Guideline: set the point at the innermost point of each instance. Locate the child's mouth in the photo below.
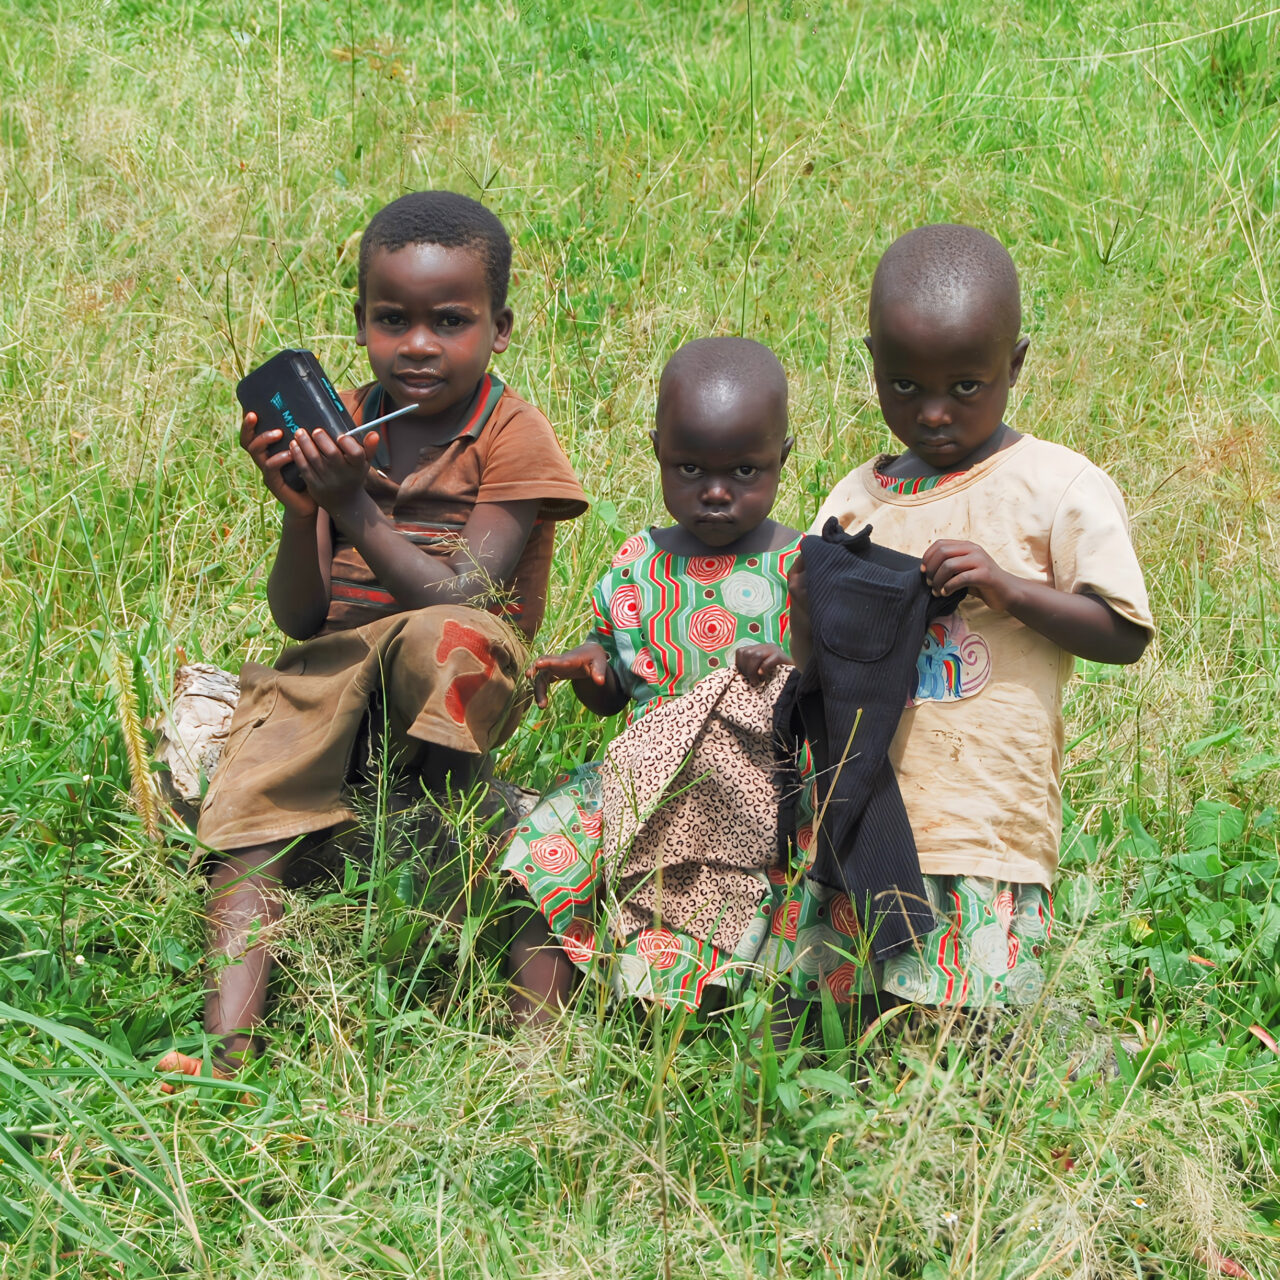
(418, 383)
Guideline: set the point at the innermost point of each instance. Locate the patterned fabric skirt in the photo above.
(985, 950)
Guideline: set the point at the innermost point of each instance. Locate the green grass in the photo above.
(183, 187)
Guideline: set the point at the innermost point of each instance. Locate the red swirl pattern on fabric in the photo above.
(712, 628)
(630, 550)
(843, 916)
(843, 981)
(579, 940)
(658, 947)
(554, 853)
(645, 667)
(624, 607)
(1004, 908)
(786, 920)
(709, 569)
(602, 623)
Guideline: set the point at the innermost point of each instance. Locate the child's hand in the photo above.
(759, 661)
(335, 470)
(256, 444)
(587, 662)
(949, 565)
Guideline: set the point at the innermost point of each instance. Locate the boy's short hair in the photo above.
(940, 264)
(445, 218)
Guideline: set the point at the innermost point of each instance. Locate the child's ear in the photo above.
(502, 323)
(866, 342)
(786, 451)
(653, 440)
(359, 312)
(1015, 361)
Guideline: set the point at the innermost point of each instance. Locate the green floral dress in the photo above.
(666, 621)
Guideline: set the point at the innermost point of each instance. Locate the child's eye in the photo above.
(452, 321)
(903, 386)
(745, 473)
(391, 319)
(968, 387)
(688, 470)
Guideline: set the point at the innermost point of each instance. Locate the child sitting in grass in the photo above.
(402, 565)
(678, 604)
(1039, 537)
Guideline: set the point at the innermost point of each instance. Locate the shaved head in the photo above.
(955, 275)
(726, 372)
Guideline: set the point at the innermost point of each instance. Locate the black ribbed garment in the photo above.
(869, 610)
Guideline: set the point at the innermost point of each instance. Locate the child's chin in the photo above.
(718, 535)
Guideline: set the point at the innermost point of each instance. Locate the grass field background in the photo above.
(183, 189)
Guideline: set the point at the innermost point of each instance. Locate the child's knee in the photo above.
(256, 865)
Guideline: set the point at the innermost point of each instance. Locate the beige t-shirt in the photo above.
(979, 753)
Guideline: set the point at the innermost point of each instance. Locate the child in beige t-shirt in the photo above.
(1039, 537)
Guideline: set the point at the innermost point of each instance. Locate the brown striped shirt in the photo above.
(505, 451)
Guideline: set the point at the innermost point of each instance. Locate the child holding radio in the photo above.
(412, 567)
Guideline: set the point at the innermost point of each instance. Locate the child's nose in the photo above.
(419, 341)
(716, 490)
(933, 413)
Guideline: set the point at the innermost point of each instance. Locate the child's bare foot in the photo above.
(188, 1066)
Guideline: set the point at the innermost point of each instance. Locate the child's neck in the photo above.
(407, 437)
(768, 535)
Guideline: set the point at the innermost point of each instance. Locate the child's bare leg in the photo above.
(244, 901)
(539, 972)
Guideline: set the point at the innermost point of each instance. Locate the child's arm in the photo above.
(491, 541)
(594, 681)
(801, 630)
(1078, 621)
(298, 588)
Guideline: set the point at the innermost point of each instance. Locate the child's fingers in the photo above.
(957, 582)
(541, 681)
(941, 574)
(750, 662)
(933, 558)
(773, 661)
(549, 662)
(258, 445)
(306, 465)
(248, 429)
(275, 462)
(948, 549)
(304, 447)
(326, 446)
(545, 672)
(954, 573)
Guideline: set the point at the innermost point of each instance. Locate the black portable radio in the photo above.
(291, 393)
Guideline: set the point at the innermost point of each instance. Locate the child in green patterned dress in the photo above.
(677, 604)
